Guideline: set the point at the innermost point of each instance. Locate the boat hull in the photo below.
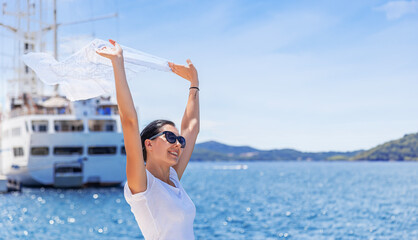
(99, 160)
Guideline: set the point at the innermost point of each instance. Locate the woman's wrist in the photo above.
(118, 62)
(194, 83)
(117, 59)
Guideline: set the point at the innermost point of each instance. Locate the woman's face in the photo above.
(163, 151)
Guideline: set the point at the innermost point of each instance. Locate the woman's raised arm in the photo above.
(190, 124)
(135, 168)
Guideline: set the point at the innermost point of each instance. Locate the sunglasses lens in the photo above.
(182, 141)
(171, 137)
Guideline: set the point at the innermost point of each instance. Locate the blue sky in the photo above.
(314, 76)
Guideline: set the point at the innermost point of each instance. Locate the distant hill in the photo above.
(403, 149)
(219, 147)
(215, 151)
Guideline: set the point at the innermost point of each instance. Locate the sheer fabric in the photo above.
(85, 74)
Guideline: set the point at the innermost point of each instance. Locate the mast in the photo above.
(29, 37)
(24, 82)
(55, 31)
(56, 87)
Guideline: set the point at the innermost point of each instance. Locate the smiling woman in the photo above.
(161, 206)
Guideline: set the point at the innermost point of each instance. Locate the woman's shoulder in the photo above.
(137, 196)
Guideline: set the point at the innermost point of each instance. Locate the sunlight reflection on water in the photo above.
(259, 200)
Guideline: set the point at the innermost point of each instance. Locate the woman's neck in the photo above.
(159, 171)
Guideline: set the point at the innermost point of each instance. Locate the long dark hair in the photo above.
(153, 128)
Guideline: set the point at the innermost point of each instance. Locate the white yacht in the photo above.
(63, 143)
(48, 140)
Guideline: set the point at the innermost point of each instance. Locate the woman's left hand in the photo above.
(187, 72)
(113, 54)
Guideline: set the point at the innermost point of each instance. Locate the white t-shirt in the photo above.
(162, 211)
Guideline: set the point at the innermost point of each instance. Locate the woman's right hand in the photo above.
(113, 54)
(188, 72)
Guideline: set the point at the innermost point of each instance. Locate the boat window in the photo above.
(69, 169)
(39, 151)
(43, 128)
(18, 151)
(40, 126)
(109, 128)
(107, 110)
(104, 111)
(68, 125)
(15, 132)
(102, 125)
(123, 150)
(102, 150)
(68, 150)
(61, 110)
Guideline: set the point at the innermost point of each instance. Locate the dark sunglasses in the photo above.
(171, 138)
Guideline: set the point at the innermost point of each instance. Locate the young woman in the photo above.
(161, 207)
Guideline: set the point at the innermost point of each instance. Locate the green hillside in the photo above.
(404, 149)
(215, 151)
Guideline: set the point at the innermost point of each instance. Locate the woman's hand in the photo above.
(187, 72)
(111, 53)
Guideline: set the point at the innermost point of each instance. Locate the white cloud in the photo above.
(398, 9)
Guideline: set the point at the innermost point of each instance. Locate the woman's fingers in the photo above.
(117, 46)
(187, 72)
(101, 53)
(111, 52)
(105, 52)
(178, 69)
(171, 65)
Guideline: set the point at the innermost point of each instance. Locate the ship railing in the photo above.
(17, 112)
(55, 111)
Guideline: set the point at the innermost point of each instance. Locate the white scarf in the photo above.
(86, 74)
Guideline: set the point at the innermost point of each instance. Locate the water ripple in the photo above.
(260, 200)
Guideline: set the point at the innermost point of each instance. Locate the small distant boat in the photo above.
(232, 167)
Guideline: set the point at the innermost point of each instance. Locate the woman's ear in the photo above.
(148, 144)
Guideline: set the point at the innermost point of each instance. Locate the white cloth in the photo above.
(85, 74)
(163, 212)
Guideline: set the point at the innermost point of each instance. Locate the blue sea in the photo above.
(245, 200)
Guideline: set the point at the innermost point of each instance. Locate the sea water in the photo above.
(244, 200)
